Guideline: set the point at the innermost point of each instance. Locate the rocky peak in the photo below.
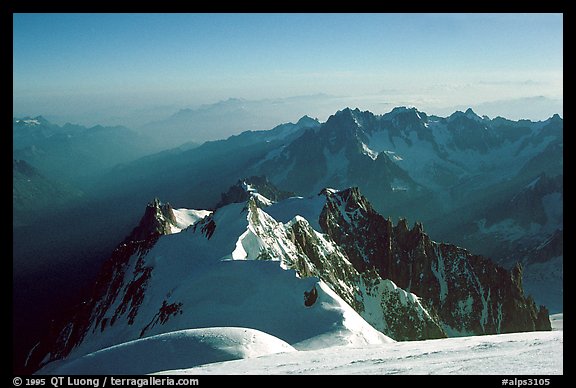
(351, 200)
(342, 125)
(471, 132)
(402, 122)
(472, 115)
(242, 190)
(460, 116)
(406, 117)
(235, 194)
(418, 228)
(389, 309)
(348, 126)
(307, 121)
(401, 227)
(556, 119)
(157, 219)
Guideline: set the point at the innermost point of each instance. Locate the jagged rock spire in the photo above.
(157, 219)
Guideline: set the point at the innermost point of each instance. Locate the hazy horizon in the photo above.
(131, 69)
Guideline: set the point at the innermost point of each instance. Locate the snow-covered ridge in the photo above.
(188, 217)
(239, 266)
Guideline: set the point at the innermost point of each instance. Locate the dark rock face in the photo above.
(236, 194)
(208, 228)
(310, 297)
(469, 292)
(164, 313)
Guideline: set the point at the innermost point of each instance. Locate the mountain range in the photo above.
(472, 180)
(493, 187)
(71, 153)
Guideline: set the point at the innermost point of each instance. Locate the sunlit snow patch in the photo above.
(187, 217)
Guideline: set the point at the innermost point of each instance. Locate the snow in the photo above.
(369, 152)
(179, 349)
(465, 307)
(262, 200)
(187, 217)
(246, 246)
(557, 321)
(248, 187)
(423, 159)
(535, 353)
(393, 155)
(245, 293)
(485, 301)
(353, 330)
(29, 121)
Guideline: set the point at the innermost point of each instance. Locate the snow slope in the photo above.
(184, 349)
(188, 280)
(187, 217)
(239, 293)
(535, 353)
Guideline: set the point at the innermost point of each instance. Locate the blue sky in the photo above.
(96, 62)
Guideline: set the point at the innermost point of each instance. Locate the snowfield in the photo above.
(243, 351)
(183, 348)
(535, 353)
